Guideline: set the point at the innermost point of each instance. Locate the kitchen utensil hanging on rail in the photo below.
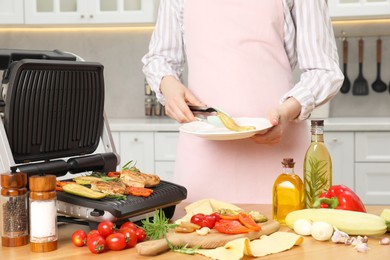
(378, 85)
(346, 83)
(360, 85)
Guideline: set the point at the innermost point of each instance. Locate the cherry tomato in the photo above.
(97, 244)
(197, 219)
(106, 228)
(216, 216)
(130, 236)
(141, 235)
(92, 233)
(128, 224)
(79, 238)
(204, 220)
(116, 241)
(209, 221)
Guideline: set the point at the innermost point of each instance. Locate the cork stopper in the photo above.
(288, 162)
(317, 122)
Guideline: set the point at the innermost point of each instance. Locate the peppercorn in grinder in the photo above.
(14, 205)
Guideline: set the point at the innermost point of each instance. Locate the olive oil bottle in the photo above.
(317, 165)
(287, 193)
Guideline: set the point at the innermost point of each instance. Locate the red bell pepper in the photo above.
(340, 197)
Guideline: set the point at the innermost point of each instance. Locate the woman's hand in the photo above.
(274, 134)
(177, 97)
(279, 118)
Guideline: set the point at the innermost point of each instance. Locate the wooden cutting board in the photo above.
(212, 240)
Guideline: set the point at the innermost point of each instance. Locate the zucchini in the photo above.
(350, 222)
(86, 180)
(386, 216)
(82, 191)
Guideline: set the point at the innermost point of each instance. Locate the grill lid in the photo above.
(53, 109)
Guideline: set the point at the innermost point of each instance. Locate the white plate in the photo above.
(213, 129)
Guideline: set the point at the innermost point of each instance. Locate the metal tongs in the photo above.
(204, 109)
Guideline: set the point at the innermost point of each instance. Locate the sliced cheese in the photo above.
(236, 249)
(275, 243)
(233, 250)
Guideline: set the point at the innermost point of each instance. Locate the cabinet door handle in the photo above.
(135, 140)
(91, 16)
(82, 16)
(335, 140)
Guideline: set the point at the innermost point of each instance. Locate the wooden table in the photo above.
(310, 249)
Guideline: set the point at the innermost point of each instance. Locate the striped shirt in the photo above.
(308, 40)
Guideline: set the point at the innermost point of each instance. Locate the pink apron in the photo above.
(237, 62)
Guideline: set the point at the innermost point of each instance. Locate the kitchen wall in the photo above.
(374, 104)
(120, 51)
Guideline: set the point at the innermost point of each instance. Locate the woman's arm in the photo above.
(166, 49)
(317, 55)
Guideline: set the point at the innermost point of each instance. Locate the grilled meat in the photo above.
(139, 179)
(111, 187)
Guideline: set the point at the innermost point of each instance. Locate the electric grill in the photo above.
(52, 120)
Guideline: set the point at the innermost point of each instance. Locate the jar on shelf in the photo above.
(43, 213)
(148, 106)
(14, 204)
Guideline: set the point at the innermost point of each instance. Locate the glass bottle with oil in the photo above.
(317, 167)
(287, 192)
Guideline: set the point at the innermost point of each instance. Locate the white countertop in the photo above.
(331, 124)
(357, 124)
(143, 124)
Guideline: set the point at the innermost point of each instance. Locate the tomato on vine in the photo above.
(97, 244)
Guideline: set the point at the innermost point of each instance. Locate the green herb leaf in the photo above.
(182, 249)
(158, 227)
(130, 166)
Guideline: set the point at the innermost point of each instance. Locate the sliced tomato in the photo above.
(139, 191)
(114, 174)
(229, 217)
(247, 220)
(231, 227)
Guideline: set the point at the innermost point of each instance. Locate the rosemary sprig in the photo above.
(158, 227)
(182, 249)
(130, 166)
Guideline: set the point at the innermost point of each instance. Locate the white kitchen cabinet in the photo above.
(165, 154)
(153, 151)
(361, 161)
(139, 147)
(341, 148)
(165, 169)
(372, 182)
(345, 9)
(373, 147)
(89, 11)
(11, 12)
(372, 167)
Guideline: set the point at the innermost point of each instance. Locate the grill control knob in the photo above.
(97, 213)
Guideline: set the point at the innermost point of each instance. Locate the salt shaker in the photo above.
(43, 213)
(14, 204)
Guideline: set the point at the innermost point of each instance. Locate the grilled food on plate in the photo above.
(139, 179)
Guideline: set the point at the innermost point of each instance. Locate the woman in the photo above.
(240, 57)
